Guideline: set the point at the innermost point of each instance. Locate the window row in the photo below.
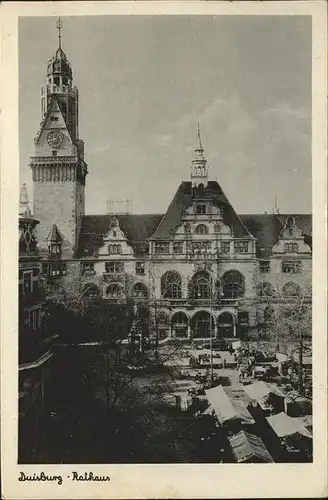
(201, 286)
(287, 266)
(111, 267)
(290, 289)
(115, 249)
(54, 269)
(116, 291)
(291, 247)
(199, 247)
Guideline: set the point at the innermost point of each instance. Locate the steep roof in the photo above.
(54, 101)
(136, 227)
(183, 199)
(267, 228)
(246, 446)
(139, 228)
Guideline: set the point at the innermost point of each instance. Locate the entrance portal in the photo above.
(225, 325)
(179, 325)
(202, 326)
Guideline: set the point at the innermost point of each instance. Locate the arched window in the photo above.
(201, 229)
(179, 325)
(291, 289)
(200, 286)
(90, 290)
(139, 291)
(114, 290)
(225, 319)
(202, 325)
(268, 314)
(171, 285)
(264, 289)
(217, 227)
(233, 285)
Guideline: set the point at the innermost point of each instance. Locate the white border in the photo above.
(161, 481)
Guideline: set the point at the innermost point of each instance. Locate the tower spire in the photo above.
(199, 169)
(199, 138)
(24, 204)
(59, 25)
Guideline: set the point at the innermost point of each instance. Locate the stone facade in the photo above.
(198, 260)
(58, 165)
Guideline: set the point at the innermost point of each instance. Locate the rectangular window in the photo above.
(140, 268)
(27, 283)
(201, 246)
(225, 246)
(201, 209)
(264, 266)
(178, 247)
(241, 246)
(88, 268)
(243, 318)
(162, 248)
(114, 267)
(114, 249)
(291, 267)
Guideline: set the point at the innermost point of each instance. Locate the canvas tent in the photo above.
(249, 448)
(227, 409)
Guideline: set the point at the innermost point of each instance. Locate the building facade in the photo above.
(199, 269)
(35, 351)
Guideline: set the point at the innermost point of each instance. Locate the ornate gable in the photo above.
(53, 134)
(115, 243)
(291, 240)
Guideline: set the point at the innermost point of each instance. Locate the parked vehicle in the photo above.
(217, 345)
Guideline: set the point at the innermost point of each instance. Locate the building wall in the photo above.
(57, 203)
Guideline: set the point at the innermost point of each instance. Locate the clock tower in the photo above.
(58, 165)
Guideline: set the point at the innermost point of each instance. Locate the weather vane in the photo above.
(59, 25)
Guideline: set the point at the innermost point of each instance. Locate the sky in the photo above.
(145, 81)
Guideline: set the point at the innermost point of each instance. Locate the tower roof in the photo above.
(54, 235)
(59, 63)
(24, 204)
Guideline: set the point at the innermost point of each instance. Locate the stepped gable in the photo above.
(267, 228)
(137, 228)
(183, 199)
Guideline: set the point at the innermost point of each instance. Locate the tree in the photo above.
(287, 317)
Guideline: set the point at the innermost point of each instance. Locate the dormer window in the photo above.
(291, 247)
(201, 209)
(241, 246)
(54, 243)
(54, 249)
(114, 249)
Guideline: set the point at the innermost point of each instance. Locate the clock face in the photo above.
(55, 138)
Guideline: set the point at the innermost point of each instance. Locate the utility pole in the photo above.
(211, 330)
(300, 380)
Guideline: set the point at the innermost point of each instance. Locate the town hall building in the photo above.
(199, 269)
